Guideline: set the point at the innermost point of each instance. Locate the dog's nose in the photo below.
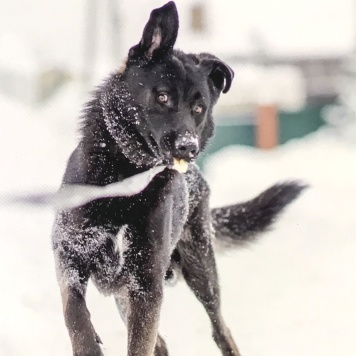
(186, 147)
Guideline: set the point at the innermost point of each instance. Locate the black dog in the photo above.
(155, 111)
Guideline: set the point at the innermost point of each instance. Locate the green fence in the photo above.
(300, 123)
(241, 130)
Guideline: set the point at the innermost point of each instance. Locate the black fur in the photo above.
(156, 109)
(240, 223)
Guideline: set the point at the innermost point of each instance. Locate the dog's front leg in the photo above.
(146, 262)
(85, 341)
(199, 271)
(122, 305)
(73, 278)
(75, 249)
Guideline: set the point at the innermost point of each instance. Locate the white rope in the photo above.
(71, 196)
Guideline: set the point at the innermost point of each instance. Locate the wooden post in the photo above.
(267, 127)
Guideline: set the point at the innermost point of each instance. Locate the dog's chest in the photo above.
(180, 210)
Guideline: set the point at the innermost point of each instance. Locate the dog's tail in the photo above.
(238, 224)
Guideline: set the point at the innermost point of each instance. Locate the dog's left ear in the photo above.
(159, 34)
(219, 72)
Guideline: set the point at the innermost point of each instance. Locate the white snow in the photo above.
(293, 293)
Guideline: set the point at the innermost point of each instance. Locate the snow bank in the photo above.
(35, 143)
(26, 147)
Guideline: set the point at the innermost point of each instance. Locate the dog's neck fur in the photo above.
(113, 114)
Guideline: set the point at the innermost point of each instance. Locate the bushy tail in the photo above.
(241, 223)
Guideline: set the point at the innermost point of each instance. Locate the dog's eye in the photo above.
(162, 97)
(198, 109)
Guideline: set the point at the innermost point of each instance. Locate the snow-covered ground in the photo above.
(293, 293)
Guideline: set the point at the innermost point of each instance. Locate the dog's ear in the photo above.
(219, 72)
(159, 34)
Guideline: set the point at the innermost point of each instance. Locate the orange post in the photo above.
(267, 127)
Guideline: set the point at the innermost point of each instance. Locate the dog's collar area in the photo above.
(76, 195)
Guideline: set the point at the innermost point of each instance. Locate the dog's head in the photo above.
(164, 97)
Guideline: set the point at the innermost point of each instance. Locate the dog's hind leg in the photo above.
(199, 271)
(121, 300)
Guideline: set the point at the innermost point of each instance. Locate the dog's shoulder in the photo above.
(90, 167)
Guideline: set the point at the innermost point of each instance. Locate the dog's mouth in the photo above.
(180, 165)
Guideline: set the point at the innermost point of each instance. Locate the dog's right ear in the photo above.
(218, 71)
(159, 34)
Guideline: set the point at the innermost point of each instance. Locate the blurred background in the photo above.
(290, 114)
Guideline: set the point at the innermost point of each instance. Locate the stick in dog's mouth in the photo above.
(180, 165)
